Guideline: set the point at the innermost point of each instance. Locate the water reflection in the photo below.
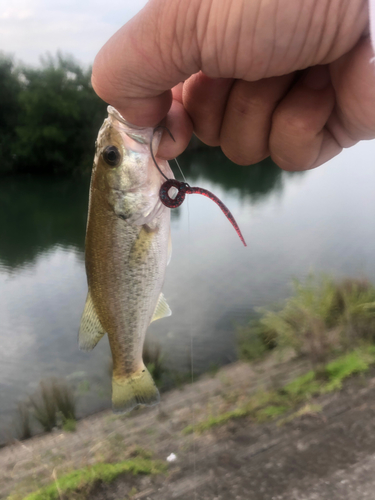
(39, 213)
(40, 311)
(251, 182)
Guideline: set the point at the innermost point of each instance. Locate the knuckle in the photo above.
(293, 124)
(290, 160)
(241, 104)
(286, 164)
(209, 139)
(242, 157)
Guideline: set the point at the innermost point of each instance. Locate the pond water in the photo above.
(294, 224)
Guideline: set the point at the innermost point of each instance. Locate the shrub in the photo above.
(322, 317)
(153, 359)
(53, 401)
(24, 427)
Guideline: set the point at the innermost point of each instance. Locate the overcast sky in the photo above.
(30, 28)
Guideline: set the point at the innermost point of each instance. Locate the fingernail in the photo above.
(317, 78)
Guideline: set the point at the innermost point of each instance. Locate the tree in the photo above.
(10, 87)
(59, 118)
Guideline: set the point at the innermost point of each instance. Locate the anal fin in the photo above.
(162, 309)
(91, 330)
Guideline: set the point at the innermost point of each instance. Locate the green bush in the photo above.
(322, 317)
(153, 359)
(252, 341)
(24, 424)
(53, 404)
(49, 116)
(10, 88)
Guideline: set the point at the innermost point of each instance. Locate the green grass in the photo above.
(153, 359)
(214, 421)
(53, 402)
(69, 425)
(358, 361)
(323, 317)
(82, 480)
(24, 424)
(302, 388)
(270, 412)
(252, 344)
(269, 405)
(307, 409)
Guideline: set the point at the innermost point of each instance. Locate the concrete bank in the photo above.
(325, 454)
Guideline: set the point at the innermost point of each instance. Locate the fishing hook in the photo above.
(183, 188)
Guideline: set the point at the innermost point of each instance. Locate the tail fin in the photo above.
(138, 388)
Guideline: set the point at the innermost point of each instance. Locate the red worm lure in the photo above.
(183, 189)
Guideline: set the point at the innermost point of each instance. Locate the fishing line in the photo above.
(152, 153)
(190, 315)
(179, 168)
(193, 436)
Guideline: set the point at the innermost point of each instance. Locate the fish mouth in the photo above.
(118, 116)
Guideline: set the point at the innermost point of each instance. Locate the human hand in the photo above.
(286, 78)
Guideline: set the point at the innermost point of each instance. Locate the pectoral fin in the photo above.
(91, 330)
(162, 309)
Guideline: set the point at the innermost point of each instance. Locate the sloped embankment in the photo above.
(323, 447)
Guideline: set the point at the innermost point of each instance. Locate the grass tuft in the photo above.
(153, 359)
(44, 407)
(307, 409)
(24, 424)
(322, 317)
(54, 401)
(302, 388)
(267, 406)
(82, 480)
(337, 371)
(270, 412)
(69, 425)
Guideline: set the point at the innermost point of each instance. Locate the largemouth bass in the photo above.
(127, 251)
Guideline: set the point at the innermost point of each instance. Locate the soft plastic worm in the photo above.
(183, 189)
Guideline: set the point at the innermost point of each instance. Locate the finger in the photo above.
(177, 92)
(136, 68)
(181, 127)
(247, 120)
(170, 40)
(205, 99)
(299, 139)
(353, 78)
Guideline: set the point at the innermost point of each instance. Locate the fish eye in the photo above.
(112, 156)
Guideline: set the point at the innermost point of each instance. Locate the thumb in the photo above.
(137, 67)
